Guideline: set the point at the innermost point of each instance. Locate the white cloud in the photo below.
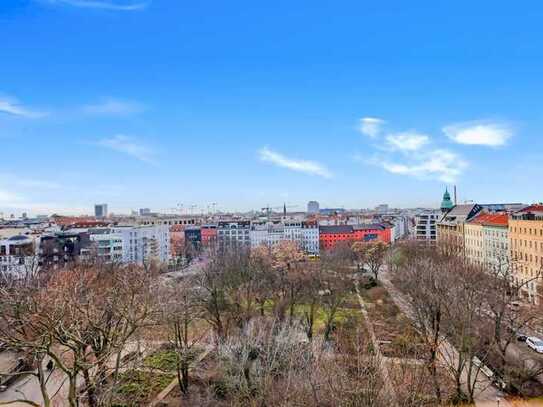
(104, 4)
(127, 145)
(479, 133)
(442, 165)
(407, 141)
(307, 167)
(114, 107)
(371, 126)
(13, 107)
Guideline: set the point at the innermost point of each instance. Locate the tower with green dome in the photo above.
(446, 203)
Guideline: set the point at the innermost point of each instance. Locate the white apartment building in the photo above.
(107, 245)
(142, 244)
(425, 225)
(131, 244)
(269, 234)
(486, 240)
(496, 245)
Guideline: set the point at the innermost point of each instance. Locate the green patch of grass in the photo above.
(137, 387)
(164, 360)
(342, 315)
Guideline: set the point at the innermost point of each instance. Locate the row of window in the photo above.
(526, 231)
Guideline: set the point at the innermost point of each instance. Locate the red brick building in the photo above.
(177, 240)
(332, 235)
(209, 235)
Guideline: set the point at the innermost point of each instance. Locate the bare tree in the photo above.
(371, 255)
(180, 310)
(80, 318)
(421, 278)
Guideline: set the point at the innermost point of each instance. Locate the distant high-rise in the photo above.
(145, 211)
(313, 207)
(100, 210)
(383, 208)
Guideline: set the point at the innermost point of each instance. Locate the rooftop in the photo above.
(491, 219)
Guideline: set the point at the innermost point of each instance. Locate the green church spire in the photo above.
(446, 203)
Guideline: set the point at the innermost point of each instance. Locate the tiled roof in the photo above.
(372, 226)
(336, 229)
(491, 219)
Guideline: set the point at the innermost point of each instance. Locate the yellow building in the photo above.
(474, 242)
(450, 229)
(526, 245)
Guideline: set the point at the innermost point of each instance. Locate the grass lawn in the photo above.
(138, 387)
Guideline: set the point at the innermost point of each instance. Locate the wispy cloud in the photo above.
(12, 107)
(411, 153)
(305, 166)
(114, 107)
(442, 165)
(129, 146)
(371, 126)
(482, 133)
(407, 141)
(104, 4)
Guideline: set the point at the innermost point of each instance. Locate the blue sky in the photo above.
(152, 103)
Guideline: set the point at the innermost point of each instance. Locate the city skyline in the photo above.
(154, 103)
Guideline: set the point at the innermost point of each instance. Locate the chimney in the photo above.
(455, 203)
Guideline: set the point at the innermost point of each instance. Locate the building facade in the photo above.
(330, 236)
(306, 234)
(425, 225)
(313, 207)
(106, 245)
(486, 240)
(232, 234)
(100, 210)
(142, 244)
(17, 255)
(209, 236)
(450, 228)
(526, 247)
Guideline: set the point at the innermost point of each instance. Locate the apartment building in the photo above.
(128, 244)
(526, 246)
(310, 237)
(233, 234)
(306, 234)
(450, 228)
(106, 245)
(486, 240)
(142, 244)
(496, 240)
(330, 236)
(60, 248)
(17, 255)
(209, 235)
(425, 225)
(473, 242)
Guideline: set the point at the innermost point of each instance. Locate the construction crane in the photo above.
(269, 209)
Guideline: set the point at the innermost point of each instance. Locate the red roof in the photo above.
(533, 208)
(491, 219)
